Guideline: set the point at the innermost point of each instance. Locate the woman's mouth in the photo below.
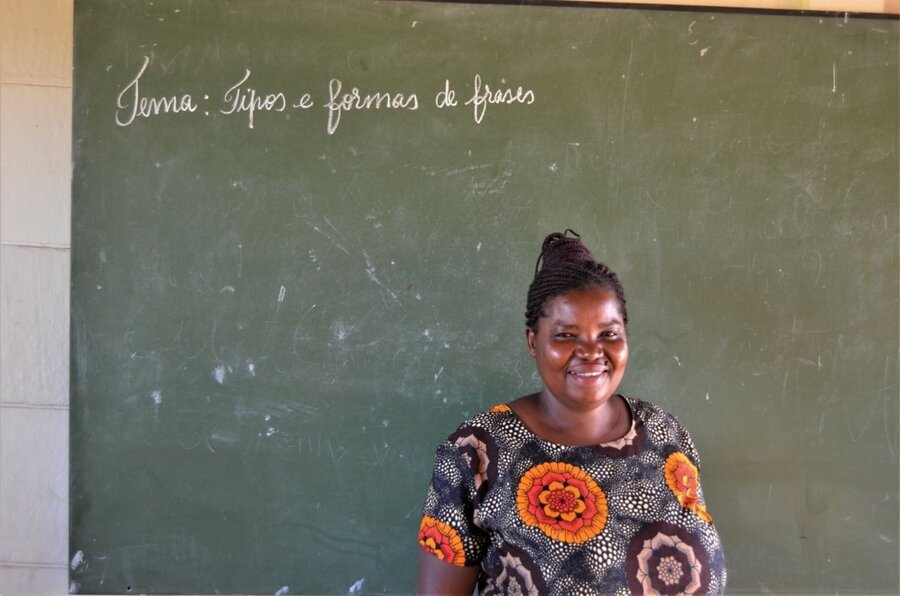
(587, 374)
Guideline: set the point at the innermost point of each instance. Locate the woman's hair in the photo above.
(566, 265)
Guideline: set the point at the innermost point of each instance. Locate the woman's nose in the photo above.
(589, 350)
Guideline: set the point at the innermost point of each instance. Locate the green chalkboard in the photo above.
(303, 232)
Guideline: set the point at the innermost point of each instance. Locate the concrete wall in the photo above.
(35, 198)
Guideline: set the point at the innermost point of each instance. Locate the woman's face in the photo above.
(580, 347)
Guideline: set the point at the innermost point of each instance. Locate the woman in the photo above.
(574, 489)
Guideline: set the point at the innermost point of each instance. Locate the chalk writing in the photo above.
(446, 97)
(130, 104)
(340, 102)
(339, 99)
(481, 97)
(241, 99)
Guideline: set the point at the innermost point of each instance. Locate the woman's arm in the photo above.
(437, 577)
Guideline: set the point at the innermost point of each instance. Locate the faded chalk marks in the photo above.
(357, 586)
(371, 273)
(245, 369)
(77, 560)
(340, 331)
(270, 430)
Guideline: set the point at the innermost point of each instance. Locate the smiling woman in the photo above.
(580, 350)
(575, 488)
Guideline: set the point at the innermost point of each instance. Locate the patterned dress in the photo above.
(542, 518)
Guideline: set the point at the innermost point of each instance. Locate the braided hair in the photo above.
(565, 265)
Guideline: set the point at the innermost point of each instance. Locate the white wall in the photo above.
(35, 198)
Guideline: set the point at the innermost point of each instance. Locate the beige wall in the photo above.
(35, 192)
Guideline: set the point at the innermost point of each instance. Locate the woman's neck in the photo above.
(556, 423)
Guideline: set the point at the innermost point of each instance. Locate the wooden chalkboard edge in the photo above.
(806, 6)
(888, 9)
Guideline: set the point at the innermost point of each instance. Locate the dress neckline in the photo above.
(616, 443)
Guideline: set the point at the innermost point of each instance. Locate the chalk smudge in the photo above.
(219, 374)
(77, 560)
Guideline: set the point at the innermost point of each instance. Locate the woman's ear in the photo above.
(529, 339)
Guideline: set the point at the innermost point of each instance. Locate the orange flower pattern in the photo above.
(441, 540)
(562, 501)
(537, 517)
(684, 482)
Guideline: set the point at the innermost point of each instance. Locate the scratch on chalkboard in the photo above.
(888, 390)
(212, 341)
(370, 271)
(333, 241)
(461, 170)
(627, 77)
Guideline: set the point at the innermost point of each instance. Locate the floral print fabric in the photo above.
(563, 501)
(541, 518)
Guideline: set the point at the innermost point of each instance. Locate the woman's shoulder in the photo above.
(483, 431)
(646, 410)
(659, 422)
(488, 419)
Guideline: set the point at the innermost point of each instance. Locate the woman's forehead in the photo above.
(587, 302)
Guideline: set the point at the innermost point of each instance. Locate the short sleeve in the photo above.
(686, 446)
(447, 529)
